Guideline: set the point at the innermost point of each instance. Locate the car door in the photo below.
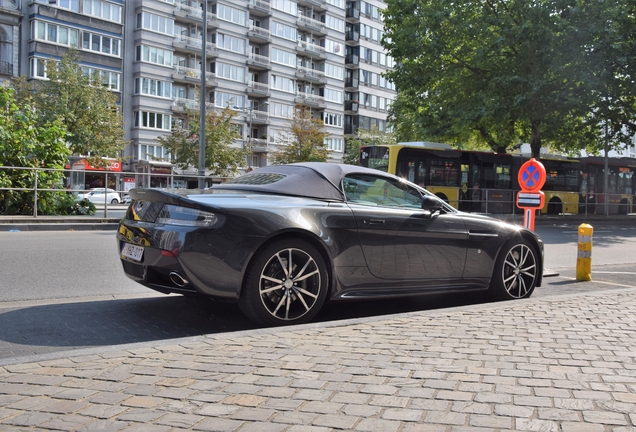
(399, 240)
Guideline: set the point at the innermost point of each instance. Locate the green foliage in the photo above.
(221, 159)
(365, 137)
(305, 141)
(26, 143)
(502, 73)
(83, 104)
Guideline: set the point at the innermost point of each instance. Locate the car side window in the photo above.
(375, 190)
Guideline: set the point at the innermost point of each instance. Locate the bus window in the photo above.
(496, 176)
(571, 180)
(444, 173)
(625, 181)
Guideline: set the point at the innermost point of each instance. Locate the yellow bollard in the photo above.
(584, 257)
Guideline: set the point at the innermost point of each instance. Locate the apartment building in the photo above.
(261, 58)
(10, 16)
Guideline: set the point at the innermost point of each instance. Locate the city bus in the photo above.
(487, 182)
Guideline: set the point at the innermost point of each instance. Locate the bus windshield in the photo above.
(376, 157)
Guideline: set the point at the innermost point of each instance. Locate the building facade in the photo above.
(10, 17)
(261, 59)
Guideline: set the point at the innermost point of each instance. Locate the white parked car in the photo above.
(96, 196)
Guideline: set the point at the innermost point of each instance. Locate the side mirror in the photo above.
(431, 204)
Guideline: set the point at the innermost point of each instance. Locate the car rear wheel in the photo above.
(516, 271)
(285, 284)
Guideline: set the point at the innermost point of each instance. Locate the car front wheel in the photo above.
(516, 271)
(114, 201)
(285, 284)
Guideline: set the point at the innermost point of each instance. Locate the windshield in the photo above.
(375, 157)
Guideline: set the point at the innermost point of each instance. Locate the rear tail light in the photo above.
(184, 216)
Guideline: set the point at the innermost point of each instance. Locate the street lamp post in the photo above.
(202, 98)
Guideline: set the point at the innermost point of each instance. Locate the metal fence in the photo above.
(105, 179)
(122, 182)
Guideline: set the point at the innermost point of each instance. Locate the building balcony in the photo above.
(258, 61)
(310, 100)
(259, 8)
(311, 24)
(259, 34)
(352, 60)
(351, 106)
(313, 75)
(194, 14)
(257, 89)
(312, 50)
(352, 83)
(352, 14)
(259, 117)
(352, 36)
(182, 105)
(185, 43)
(317, 5)
(193, 76)
(258, 145)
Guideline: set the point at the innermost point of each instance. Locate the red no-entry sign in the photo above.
(531, 179)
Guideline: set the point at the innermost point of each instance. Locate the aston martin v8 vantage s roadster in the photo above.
(282, 240)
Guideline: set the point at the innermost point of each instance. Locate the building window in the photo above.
(287, 6)
(152, 152)
(64, 4)
(284, 31)
(101, 44)
(55, 34)
(283, 84)
(330, 119)
(37, 68)
(230, 14)
(334, 71)
(281, 110)
(102, 9)
(152, 87)
(333, 95)
(109, 79)
(152, 120)
(334, 144)
(230, 43)
(156, 23)
(150, 54)
(230, 72)
(223, 100)
(283, 57)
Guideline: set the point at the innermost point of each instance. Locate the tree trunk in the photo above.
(535, 139)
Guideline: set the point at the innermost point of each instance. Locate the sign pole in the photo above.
(531, 178)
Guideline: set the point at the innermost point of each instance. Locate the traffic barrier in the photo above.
(584, 255)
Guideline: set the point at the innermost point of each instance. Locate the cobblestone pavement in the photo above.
(565, 363)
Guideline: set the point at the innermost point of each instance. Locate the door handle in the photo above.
(376, 221)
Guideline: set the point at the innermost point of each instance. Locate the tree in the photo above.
(610, 67)
(84, 105)
(25, 143)
(305, 141)
(496, 72)
(365, 137)
(220, 157)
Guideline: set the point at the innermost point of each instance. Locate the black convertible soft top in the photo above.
(319, 180)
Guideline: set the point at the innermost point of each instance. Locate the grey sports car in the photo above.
(282, 240)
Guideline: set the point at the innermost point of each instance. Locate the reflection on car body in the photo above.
(98, 196)
(282, 240)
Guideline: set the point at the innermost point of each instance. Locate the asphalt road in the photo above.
(65, 290)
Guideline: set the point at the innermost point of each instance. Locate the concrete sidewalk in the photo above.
(565, 363)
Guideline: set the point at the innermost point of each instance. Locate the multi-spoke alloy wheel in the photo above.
(516, 272)
(286, 284)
